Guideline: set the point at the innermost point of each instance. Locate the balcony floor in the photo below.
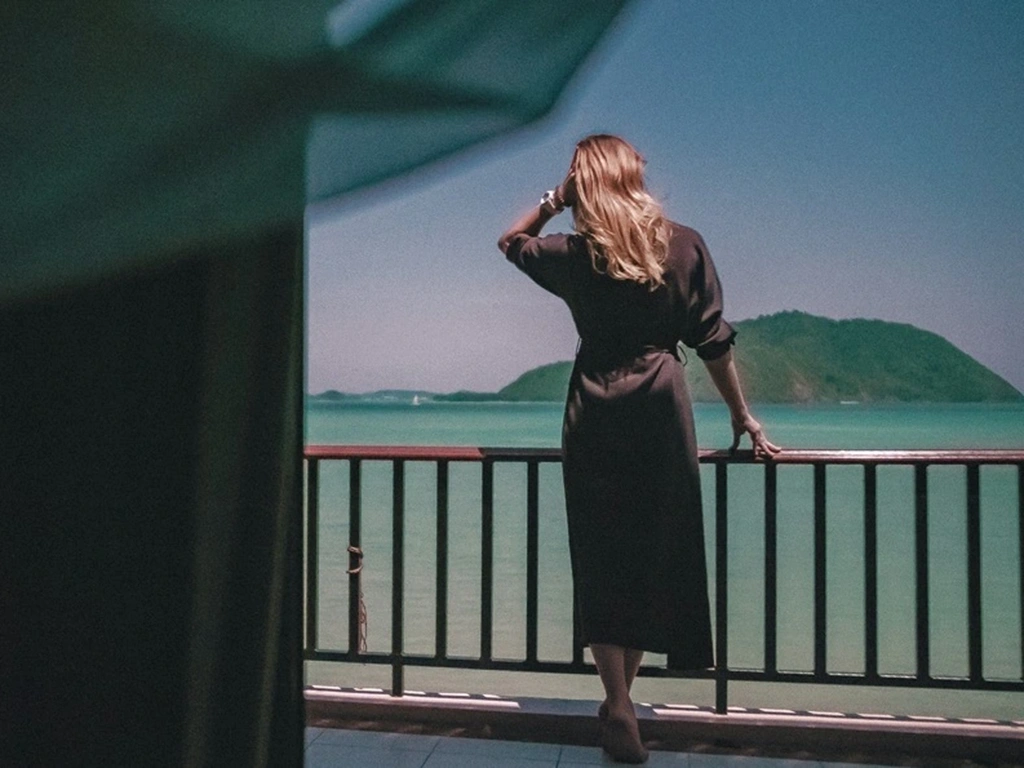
(341, 748)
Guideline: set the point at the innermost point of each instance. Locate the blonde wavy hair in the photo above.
(625, 227)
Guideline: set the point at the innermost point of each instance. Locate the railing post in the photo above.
(312, 552)
(770, 569)
(974, 572)
(532, 554)
(441, 583)
(577, 634)
(487, 561)
(721, 589)
(397, 575)
(921, 564)
(870, 571)
(355, 517)
(820, 571)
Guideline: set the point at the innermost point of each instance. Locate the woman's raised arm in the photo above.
(533, 221)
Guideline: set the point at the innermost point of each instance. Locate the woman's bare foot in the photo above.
(620, 736)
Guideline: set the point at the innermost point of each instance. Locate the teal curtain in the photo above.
(156, 160)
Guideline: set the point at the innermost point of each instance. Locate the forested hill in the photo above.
(795, 357)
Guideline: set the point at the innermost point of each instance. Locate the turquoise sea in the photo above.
(823, 426)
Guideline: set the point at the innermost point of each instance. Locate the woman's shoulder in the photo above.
(685, 248)
(683, 235)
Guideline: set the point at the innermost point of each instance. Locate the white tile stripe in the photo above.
(458, 700)
(855, 722)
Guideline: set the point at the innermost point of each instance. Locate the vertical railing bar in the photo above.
(921, 566)
(770, 569)
(974, 572)
(312, 554)
(355, 520)
(870, 570)
(721, 589)
(820, 602)
(532, 555)
(487, 560)
(577, 634)
(1020, 558)
(441, 584)
(397, 574)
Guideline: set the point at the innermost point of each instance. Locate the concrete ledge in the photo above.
(880, 738)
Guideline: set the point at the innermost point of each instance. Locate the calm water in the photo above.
(539, 425)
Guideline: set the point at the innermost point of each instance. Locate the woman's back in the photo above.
(617, 319)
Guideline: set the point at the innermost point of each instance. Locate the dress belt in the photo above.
(619, 356)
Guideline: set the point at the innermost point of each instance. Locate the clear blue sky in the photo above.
(848, 159)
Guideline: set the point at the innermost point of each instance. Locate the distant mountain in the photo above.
(794, 357)
(466, 396)
(551, 379)
(380, 396)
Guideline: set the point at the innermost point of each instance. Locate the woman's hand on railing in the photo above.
(748, 425)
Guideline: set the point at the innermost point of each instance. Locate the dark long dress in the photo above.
(632, 485)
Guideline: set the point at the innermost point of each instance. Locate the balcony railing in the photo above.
(916, 462)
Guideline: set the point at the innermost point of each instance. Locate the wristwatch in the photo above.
(549, 203)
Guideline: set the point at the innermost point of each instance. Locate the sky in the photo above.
(846, 159)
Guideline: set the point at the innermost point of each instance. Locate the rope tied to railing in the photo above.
(355, 567)
(355, 561)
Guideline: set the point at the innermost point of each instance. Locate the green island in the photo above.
(795, 357)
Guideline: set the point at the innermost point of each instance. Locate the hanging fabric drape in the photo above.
(156, 159)
(131, 131)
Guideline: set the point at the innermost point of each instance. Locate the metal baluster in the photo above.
(312, 552)
(921, 563)
(721, 590)
(974, 571)
(487, 561)
(532, 555)
(355, 517)
(870, 571)
(441, 588)
(397, 574)
(770, 570)
(820, 602)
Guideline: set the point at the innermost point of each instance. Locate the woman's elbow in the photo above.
(505, 239)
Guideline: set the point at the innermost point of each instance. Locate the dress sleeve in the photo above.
(704, 329)
(545, 259)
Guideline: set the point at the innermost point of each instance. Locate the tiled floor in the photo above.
(335, 748)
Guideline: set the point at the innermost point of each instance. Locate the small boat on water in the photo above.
(415, 399)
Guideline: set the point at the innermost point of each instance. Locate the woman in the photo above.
(636, 284)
